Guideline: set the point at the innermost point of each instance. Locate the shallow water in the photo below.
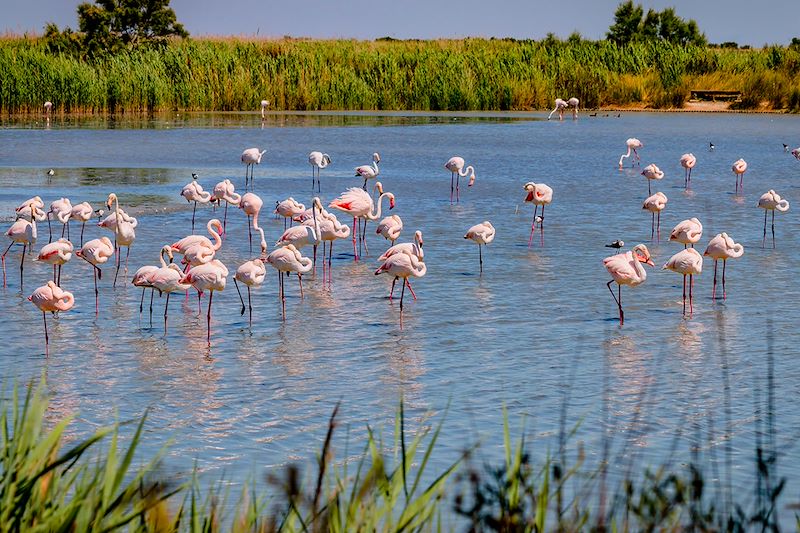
(537, 331)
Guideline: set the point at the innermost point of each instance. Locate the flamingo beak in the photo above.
(650, 262)
(391, 203)
(529, 197)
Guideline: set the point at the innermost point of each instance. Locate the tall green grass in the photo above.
(469, 74)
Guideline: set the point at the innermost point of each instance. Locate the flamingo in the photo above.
(22, 232)
(62, 210)
(252, 274)
(289, 259)
(739, 167)
(390, 227)
(124, 234)
(722, 247)
(208, 277)
(251, 157)
(57, 254)
(51, 298)
(193, 192)
(771, 201)
(251, 204)
(560, 106)
(688, 161)
(626, 270)
(110, 221)
(224, 191)
(48, 107)
(369, 172)
(331, 229)
(652, 172)
(540, 195)
(456, 167)
(633, 144)
(306, 233)
(187, 242)
(96, 252)
(289, 209)
(318, 161)
(688, 262)
(167, 279)
(409, 248)
(796, 153)
(402, 266)
(655, 204)
(573, 103)
(482, 233)
(264, 104)
(141, 278)
(359, 204)
(30, 206)
(687, 232)
(83, 212)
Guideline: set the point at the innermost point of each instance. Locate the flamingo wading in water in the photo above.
(369, 172)
(208, 277)
(687, 232)
(251, 204)
(481, 234)
(251, 157)
(289, 259)
(96, 252)
(358, 203)
(402, 266)
(456, 167)
(224, 191)
(771, 201)
(688, 161)
(252, 274)
(688, 262)
(722, 247)
(57, 254)
(633, 144)
(318, 161)
(167, 279)
(625, 269)
(51, 298)
(739, 167)
(193, 192)
(22, 232)
(540, 195)
(560, 106)
(652, 172)
(573, 103)
(655, 204)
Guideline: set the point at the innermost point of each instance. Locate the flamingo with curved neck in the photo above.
(51, 298)
(358, 203)
(124, 235)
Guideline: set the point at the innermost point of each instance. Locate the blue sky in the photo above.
(743, 21)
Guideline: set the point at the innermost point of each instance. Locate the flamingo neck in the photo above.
(464, 171)
(377, 214)
(217, 238)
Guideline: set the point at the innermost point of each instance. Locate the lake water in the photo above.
(538, 331)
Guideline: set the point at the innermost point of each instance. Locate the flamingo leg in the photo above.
(652, 225)
(391, 292)
(236, 284)
(409, 288)
(83, 227)
(63, 229)
(658, 227)
(684, 295)
(452, 182)
(541, 229)
(55, 279)
(402, 293)
(225, 219)
(199, 309)
(127, 255)
(773, 229)
(764, 238)
(364, 237)
(194, 210)
(714, 286)
(533, 225)
(166, 307)
(59, 275)
(617, 301)
(330, 258)
(208, 317)
(96, 294)
(283, 294)
(315, 262)
(649, 192)
(691, 286)
(22, 264)
(458, 178)
(300, 281)
(480, 257)
(724, 263)
(250, 306)
(355, 232)
(152, 293)
(4, 263)
(141, 302)
(46, 337)
(49, 227)
(116, 273)
(250, 233)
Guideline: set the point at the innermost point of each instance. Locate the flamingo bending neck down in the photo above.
(51, 298)
(573, 103)
(289, 259)
(688, 162)
(251, 204)
(560, 106)
(456, 167)
(625, 269)
(633, 144)
(264, 104)
(251, 157)
(318, 161)
(408, 248)
(687, 262)
(540, 195)
(739, 167)
(722, 247)
(771, 201)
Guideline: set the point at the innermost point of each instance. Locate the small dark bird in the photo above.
(194, 176)
(592, 114)
(51, 172)
(619, 115)
(785, 147)
(616, 244)
(711, 147)
(539, 219)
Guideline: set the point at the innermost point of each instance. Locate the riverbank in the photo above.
(442, 75)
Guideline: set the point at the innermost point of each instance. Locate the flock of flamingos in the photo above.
(202, 271)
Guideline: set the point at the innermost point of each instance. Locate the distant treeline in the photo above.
(469, 74)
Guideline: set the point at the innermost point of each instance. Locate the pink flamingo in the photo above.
(193, 192)
(390, 228)
(308, 233)
(687, 232)
(289, 209)
(560, 106)
(96, 252)
(22, 232)
(252, 274)
(771, 201)
(655, 204)
(573, 103)
(796, 153)
(652, 172)
(62, 210)
(633, 144)
(359, 204)
(224, 192)
(625, 269)
(688, 161)
(82, 212)
(289, 259)
(318, 161)
(251, 204)
(331, 229)
(722, 247)
(141, 278)
(482, 233)
(457, 171)
(214, 228)
(51, 298)
(540, 195)
(408, 248)
(402, 266)
(167, 279)
(57, 254)
(688, 262)
(264, 104)
(369, 172)
(739, 168)
(251, 157)
(124, 234)
(208, 277)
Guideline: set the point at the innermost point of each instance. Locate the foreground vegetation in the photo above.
(94, 486)
(470, 74)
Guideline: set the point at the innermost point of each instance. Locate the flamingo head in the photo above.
(642, 254)
(378, 187)
(391, 201)
(418, 238)
(376, 157)
(471, 179)
(111, 198)
(316, 202)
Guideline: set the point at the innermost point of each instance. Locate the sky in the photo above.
(743, 21)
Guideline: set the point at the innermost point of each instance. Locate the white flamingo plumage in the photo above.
(539, 194)
(224, 191)
(457, 171)
(22, 232)
(390, 228)
(358, 203)
(560, 106)
(250, 158)
(633, 145)
(482, 234)
(739, 167)
(369, 172)
(688, 161)
(96, 252)
(652, 172)
(687, 262)
(251, 205)
(722, 247)
(318, 161)
(771, 201)
(167, 279)
(655, 204)
(402, 266)
(626, 269)
(289, 259)
(252, 273)
(687, 232)
(62, 211)
(210, 277)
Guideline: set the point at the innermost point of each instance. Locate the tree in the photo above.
(627, 23)
(630, 25)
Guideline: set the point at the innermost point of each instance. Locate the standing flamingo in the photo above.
(540, 195)
(771, 201)
(183, 245)
(408, 248)
(688, 161)
(251, 157)
(167, 279)
(688, 262)
(141, 278)
(369, 172)
(560, 106)
(224, 192)
(633, 144)
(82, 212)
(96, 252)
(251, 204)
(124, 234)
(573, 103)
(264, 104)
(390, 228)
(722, 247)
(22, 232)
(57, 254)
(331, 229)
(687, 232)
(51, 298)
(625, 269)
(306, 233)
(402, 266)
(193, 192)
(289, 209)
(739, 168)
(318, 161)
(252, 274)
(48, 107)
(289, 259)
(62, 210)
(456, 167)
(208, 277)
(359, 204)
(655, 204)
(652, 172)
(482, 233)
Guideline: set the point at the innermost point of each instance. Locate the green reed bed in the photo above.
(470, 74)
(48, 484)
